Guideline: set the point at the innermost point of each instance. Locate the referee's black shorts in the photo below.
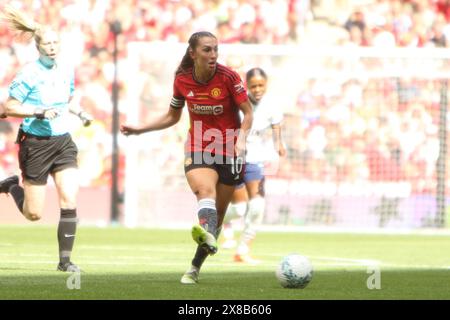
(40, 156)
(230, 169)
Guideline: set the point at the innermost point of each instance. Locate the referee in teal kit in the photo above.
(41, 94)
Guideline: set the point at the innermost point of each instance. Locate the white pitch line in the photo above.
(414, 266)
(120, 248)
(115, 263)
(338, 259)
(363, 262)
(116, 260)
(369, 262)
(318, 261)
(32, 255)
(227, 263)
(98, 263)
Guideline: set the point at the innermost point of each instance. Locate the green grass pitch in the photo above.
(120, 263)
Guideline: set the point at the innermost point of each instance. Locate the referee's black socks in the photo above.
(18, 195)
(66, 233)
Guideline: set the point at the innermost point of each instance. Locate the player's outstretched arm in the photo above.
(165, 121)
(2, 112)
(277, 141)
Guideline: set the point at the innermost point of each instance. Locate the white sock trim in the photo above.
(194, 268)
(207, 203)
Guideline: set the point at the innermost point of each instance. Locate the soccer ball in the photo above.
(294, 271)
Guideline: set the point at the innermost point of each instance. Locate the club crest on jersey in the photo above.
(215, 92)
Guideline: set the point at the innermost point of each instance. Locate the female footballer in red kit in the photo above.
(215, 147)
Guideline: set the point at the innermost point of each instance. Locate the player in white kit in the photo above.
(248, 198)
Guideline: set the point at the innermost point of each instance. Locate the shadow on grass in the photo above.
(339, 284)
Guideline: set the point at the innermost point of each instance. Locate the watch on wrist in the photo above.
(39, 114)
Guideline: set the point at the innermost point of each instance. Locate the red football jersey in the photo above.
(213, 109)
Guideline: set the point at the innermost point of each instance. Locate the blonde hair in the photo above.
(26, 26)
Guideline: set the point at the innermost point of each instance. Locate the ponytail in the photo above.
(185, 63)
(18, 21)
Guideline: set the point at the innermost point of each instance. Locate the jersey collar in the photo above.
(201, 82)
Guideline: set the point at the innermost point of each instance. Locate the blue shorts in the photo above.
(253, 171)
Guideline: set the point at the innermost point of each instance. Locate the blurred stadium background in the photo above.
(362, 84)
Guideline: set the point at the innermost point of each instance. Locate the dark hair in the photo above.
(187, 61)
(255, 72)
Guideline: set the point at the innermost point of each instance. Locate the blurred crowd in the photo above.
(383, 130)
(404, 23)
(359, 129)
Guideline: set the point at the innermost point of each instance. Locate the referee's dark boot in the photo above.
(68, 267)
(7, 183)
